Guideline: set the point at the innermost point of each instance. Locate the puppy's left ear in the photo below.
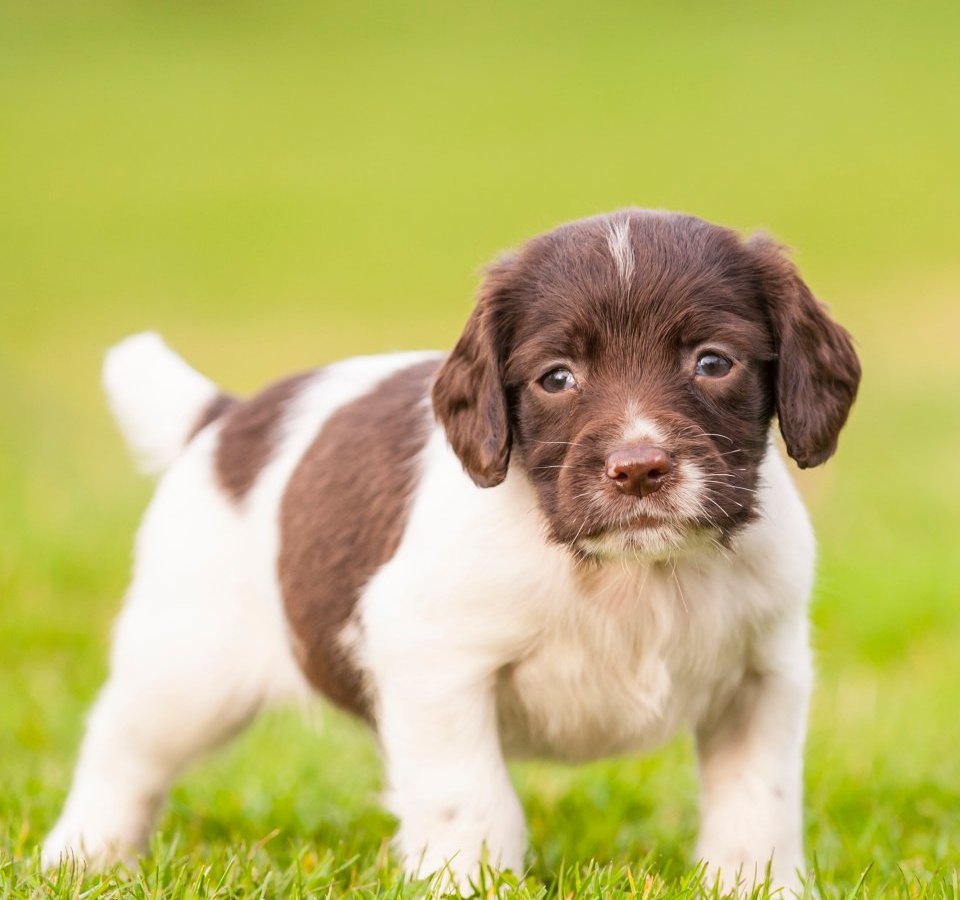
(468, 394)
(817, 368)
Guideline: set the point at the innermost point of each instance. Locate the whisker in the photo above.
(717, 505)
(696, 432)
(721, 436)
(592, 494)
(732, 487)
(723, 550)
(577, 535)
(683, 599)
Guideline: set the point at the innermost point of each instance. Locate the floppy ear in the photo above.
(468, 393)
(817, 370)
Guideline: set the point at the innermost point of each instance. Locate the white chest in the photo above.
(587, 664)
(622, 665)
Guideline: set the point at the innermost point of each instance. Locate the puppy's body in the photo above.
(331, 535)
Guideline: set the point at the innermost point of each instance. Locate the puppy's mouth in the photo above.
(640, 536)
(640, 523)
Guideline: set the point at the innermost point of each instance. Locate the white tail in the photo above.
(156, 397)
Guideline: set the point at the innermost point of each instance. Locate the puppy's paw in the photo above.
(456, 872)
(739, 878)
(71, 844)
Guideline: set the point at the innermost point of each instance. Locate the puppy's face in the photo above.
(632, 364)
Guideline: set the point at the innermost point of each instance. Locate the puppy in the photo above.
(570, 537)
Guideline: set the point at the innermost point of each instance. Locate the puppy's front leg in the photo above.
(751, 768)
(448, 782)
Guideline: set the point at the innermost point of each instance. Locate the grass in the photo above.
(273, 186)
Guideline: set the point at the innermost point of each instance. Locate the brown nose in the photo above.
(639, 469)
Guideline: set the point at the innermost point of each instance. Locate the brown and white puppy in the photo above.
(571, 537)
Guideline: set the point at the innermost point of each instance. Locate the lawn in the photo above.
(276, 185)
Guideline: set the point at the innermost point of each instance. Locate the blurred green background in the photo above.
(276, 185)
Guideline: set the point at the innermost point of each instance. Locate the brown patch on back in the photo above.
(342, 517)
(211, 412)
(247, 436)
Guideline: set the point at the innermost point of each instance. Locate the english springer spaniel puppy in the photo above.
(571, 537)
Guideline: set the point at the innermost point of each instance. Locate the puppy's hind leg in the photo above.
(198, 650)
(143, 730)
(176, 689)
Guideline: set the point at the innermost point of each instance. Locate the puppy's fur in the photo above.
(571, 537)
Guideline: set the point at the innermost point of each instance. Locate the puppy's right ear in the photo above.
(468, 393)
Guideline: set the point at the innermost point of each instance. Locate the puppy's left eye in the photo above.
(558, 380)
(713, 365)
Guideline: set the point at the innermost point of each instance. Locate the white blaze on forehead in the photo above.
(639, 429)
(618, 242)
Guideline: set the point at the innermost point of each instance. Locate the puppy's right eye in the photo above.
(558, 380)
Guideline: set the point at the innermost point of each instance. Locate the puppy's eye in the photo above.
(713, 365)
(558, 380)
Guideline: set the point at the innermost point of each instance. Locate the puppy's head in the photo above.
(631, 364)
